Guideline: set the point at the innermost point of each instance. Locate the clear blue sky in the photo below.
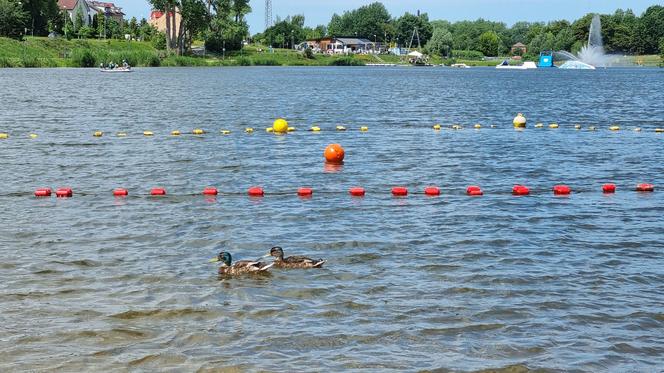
(508, 11)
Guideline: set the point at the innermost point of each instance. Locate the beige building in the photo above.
(158, 21)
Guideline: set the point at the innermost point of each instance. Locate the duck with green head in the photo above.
(293, 261)
(240, 267)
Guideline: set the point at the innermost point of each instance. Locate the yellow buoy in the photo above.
(314, 129)
(341, 128)
(577, 126)
(539, 125)
(364, 129)
(249, 130)
(269, 130)
(225, 132)
(554, 125)
(33, 135)
(659, 130)
(98, 134)
(478, 126)
(436, 127)
(121, 134)
(290, 129)
(4, 135)
(519, 121)
(148, 133)
(614, 128)
(175, 133)
(198, 131)
(280, 125)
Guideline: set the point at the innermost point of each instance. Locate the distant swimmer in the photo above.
(239, 267)
(293, 261)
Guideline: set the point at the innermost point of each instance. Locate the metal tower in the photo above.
(268, 14)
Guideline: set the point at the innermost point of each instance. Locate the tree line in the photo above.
(222, 25)
(623, 32)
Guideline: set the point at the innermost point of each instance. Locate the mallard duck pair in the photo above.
(247, 266)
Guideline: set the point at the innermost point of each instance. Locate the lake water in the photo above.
(96, 283)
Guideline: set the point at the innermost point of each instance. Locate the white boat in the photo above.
(460, 66)
(117, 70)
(526, 65)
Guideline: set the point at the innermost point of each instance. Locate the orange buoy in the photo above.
(210, 191)
(645, 188)
(256, 192)
(474, 190)
(520, 190)
(305, 192)
(120, 192)
(399, 191)
(43, 192)
(64, 192)
(609, 188)
(432, 191)
(334, 153)
(158, 192)
(357, 192)
(562, 190)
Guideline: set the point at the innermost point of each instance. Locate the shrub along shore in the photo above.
(45, 52)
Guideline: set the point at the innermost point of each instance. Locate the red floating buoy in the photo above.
(474, 190)
(399, 191)
(210, 191)
(562, 190)
(64, 192)
(609, 188)
(520, 190)
(158, 192)
(256, 192)
(432, 191)
(120, 192)
(645, 188)
(305, 192)
(357, 192)
(43, 192)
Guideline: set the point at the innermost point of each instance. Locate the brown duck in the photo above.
(293, 261)
(240, 267)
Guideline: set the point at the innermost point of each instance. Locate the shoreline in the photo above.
(41, 52)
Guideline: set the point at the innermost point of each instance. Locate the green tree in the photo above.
(440, 43)
(12, 18)
(649, 30)
(227, 27)
(78, 20)
(284, 33)
(364, 22)
(541, 42)
(661, 52)
(40, 13)
(564, 39)
(489, 43)
(406, 26)
(133, 27)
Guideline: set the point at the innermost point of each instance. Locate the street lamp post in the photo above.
(375, 42)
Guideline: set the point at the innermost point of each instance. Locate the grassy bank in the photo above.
(44, 52)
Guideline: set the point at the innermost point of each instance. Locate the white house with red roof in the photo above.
(89, 9)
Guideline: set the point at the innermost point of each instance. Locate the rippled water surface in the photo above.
(448, 283)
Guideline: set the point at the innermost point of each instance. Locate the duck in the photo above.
(240, 267)
(293, 261)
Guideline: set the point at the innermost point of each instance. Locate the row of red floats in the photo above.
(473, 190)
